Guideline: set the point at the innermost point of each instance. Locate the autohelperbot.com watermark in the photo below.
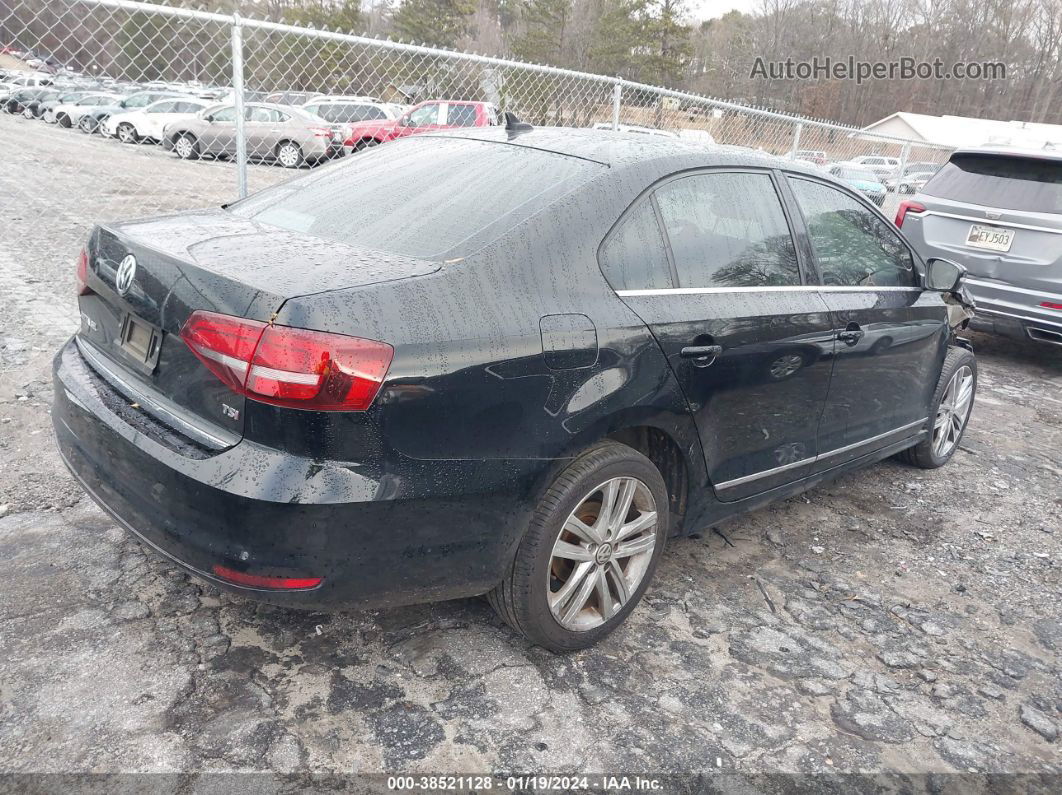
(850, 68)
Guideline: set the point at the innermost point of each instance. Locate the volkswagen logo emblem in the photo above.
(123, 279)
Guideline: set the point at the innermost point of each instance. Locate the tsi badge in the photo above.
(123, 279)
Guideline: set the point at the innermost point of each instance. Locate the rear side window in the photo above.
(853, 246)
(461, 116)
(633, 256)
(421, 197)
(728, 230)
(1013, 183)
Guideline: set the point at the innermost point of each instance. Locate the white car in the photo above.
(349, 109)
(69, 114)
(701, 137)
(32, 80)
(148, 122)
(879, 164)
(912, 183)
(634, 128)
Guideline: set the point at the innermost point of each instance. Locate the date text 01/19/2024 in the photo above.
(521, 783)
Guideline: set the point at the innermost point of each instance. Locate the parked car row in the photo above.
(874, 175)
(291, 128)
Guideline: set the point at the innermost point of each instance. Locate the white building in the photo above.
(956, 131)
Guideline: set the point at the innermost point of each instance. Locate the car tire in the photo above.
(126, 133)
(557, 601)
(186, 147)
(365, 143)
(289, 154)
(87, 124)
(952, 406)
(63, 120)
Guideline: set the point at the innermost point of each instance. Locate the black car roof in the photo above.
(617, 149)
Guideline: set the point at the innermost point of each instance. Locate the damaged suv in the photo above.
(393, 381)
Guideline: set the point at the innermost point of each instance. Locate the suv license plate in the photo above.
(993, 238)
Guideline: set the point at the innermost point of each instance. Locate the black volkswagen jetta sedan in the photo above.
(504, 362)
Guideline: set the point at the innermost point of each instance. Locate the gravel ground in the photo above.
(894, 620)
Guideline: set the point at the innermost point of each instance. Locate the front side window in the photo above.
(728, 230)
(225, 114)
(854, 246)
(422, 117)
(633, 256)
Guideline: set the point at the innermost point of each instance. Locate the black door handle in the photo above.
(701, 351)
(851, 336)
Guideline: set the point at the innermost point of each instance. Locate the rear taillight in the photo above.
(267, 583)
(82, 274)
(907, 207)
(289, 366)
(321, 132)
(1051, 305)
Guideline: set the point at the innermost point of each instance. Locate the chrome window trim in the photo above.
(728, 484)
(766, 289)
(988, 221)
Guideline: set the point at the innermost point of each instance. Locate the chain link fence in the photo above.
(121, 72)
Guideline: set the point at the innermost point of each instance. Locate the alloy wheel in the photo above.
(953, 411)
(602, 553)
(127, 134)
(785, 366)
(183, 147)
(289, 155)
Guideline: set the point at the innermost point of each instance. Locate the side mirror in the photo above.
(943, 275)
(403, 121)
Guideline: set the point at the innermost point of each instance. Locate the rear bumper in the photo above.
(1015, 312)
(404, 537)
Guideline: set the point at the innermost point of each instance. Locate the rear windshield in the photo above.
(1013, 183)
(425, 197)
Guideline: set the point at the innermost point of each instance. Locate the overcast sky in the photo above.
(709, 9)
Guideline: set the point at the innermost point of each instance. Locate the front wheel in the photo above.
(127, 133)
(289, 154)
(186, 147)
(952, 403)
(589, 553)
(87, 124)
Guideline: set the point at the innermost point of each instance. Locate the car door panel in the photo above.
(757, 403)
(747, 339)
(891, 335)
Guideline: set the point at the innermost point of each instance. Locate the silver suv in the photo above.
(998, 211)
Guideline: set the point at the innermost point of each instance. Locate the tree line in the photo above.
(657, 42)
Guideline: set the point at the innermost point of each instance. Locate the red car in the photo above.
(434, 114)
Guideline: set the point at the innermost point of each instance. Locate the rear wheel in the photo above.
(952, 403)
(127, 133)
(63, 120)
(365, 144)
(186, 147)
(589, 553)
(289, 154)
(87, 124)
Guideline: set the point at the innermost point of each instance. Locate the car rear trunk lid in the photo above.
(213, 261)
